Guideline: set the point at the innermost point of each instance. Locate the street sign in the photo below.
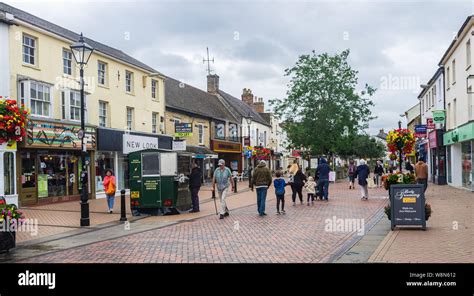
(430, 123)
(439, 116)
(183, 129)
(420, 130)
(407, 205)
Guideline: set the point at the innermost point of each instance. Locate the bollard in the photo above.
(235, 184)
(123, 216)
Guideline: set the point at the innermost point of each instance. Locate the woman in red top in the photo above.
(109, 188)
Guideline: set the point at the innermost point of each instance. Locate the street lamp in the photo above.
(82, 52)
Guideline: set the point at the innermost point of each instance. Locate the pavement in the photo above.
(305, 234)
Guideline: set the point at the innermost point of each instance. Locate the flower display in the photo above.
(401, 139)
(261, 153)
(11, 214)
(13, 120)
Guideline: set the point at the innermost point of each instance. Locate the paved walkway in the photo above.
(299, 236)
(449, 237)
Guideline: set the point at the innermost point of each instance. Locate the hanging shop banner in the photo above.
(183, 130)
(430, 123)
(132, 143)
(439, 116)
(420, 130)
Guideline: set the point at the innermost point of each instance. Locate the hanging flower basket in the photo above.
(401, 139)
(13, 119)
(10, 219)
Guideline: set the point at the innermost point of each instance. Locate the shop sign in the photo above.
(179, 145)
(407, 205)
(132, 143)
(420, 130)
(183, 130)
(430, 123)
(439, 116)
(433, 139)
(219, 146)
(10, 146)
(40, 134)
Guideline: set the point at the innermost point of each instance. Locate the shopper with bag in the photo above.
(110, 188)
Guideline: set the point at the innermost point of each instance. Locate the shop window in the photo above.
(28, 171)
(103, 161)
(466, 151)
(449, 164)
(150, 164)
(52, 178)
(8, 173)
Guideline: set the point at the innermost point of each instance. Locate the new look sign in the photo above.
(132, 143)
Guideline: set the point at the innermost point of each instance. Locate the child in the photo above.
(280, 184)
(310, 186)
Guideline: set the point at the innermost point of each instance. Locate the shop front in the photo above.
(204, 158)
(113, 147)
(459, 144)
(437, 157)
(231, 152)
(49, 163)
(8, 169)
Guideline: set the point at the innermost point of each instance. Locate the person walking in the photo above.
(362, 173)
(322, 171)
(350, 172)
(298, 182)
(262, 179)
(279, 183)
(110, 186)
(222, 177)
(421, 170)
(409, 167)
(378, 172)
(310, 187)
(195, 185)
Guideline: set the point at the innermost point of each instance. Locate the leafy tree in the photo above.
(323, 111)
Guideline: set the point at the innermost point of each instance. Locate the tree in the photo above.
(323, 109)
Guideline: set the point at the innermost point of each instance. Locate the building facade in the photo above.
(459, 135)
(122, 96)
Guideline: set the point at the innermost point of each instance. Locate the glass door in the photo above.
(28, 179)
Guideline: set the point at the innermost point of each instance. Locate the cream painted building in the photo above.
(124, 100)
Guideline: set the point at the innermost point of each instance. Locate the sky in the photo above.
(395, 45)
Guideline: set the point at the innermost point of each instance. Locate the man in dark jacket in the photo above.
(194, 185)
(262, 179)
(323, 170)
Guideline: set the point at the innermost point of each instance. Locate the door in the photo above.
(28, 179)
(151, 180)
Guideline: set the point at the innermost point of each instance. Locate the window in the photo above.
(449, 116)
(150, 164)
(128, 81)
(454, 113)
(129, 118)
(67, 62)
(153, 122)
(422, 104)
(448, 77)
(74, 105)
(8, 173)
(29, 50)
(153, 88)
(453, 65)
(40, 98)
(265, 139)
(102, 114)
(201, 134)
(434, 96)
(101, 72)
(426, 102)
(468, 53)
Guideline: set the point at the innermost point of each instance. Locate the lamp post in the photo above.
(248, 119)
(82, 52)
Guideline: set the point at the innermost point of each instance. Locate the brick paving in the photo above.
(441, 242)
(298, 236)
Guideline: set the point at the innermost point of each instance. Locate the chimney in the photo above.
(247, 96)
(259, 105)
(212, 83)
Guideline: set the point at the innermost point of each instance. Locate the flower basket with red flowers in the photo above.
(10, 219)
(401, 139)
(13, 120)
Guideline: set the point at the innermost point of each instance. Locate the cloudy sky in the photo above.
(252, 42)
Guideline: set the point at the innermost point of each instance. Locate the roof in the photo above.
(241, 109)
(456, 38)
(266, 116)
(187, 98)
(199, 150)
(65, 33)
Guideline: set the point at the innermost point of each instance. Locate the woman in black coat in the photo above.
(362, 173)
(298, 182)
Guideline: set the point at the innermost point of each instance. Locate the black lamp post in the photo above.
(82, 52)
(248, 119)
(400, 148)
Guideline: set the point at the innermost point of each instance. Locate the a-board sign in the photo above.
(407, 205)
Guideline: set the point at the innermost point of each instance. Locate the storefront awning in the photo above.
(201, 152)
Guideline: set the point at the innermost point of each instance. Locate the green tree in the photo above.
(323, 110)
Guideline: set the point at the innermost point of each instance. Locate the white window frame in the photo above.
(128, 81)
(154, 123)
(67, 62)
(103, 113)
(201, 134)
(453, 65)
(154, 88)
(131, 125)
(32, 48)
(66, 104)
(24, 91)
(101, 73)
(448, 77)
